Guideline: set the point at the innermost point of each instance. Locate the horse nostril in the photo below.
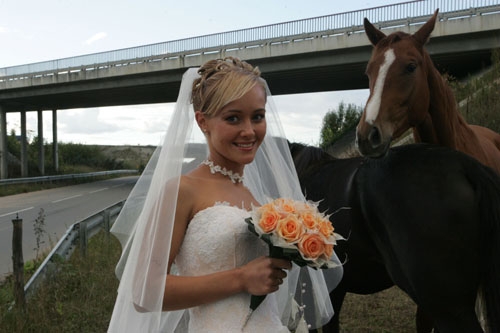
(374, 137)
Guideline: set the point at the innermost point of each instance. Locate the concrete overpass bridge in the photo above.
(318, 54)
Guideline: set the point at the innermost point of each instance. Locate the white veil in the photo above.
(144, 226)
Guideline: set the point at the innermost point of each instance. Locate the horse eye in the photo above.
(410, 68)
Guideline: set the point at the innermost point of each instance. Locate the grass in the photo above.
(389, 311)
(82, 295)
(80, 298)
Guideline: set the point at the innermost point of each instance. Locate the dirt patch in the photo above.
(133, 157)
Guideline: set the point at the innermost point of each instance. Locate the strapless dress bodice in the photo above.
(218, 239)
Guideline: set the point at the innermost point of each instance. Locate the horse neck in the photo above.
(446, 125)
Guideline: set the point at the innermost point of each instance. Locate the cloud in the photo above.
(3, 30)
(96, 37)
(301, 117)
(85, 122)
(302, 114)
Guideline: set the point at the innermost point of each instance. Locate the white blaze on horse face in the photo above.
(373, 107)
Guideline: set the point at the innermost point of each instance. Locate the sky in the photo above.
(34, 31)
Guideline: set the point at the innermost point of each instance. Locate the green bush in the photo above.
(479, 97)
(72, 158)
(337, 122)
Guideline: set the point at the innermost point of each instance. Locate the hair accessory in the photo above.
(234, 176)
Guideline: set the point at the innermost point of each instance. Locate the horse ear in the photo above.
(423, 34)
(374, 35)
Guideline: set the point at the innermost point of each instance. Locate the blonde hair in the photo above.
(223, 81)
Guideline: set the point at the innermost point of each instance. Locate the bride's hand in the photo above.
(264, 275)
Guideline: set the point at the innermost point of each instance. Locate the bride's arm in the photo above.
(258, 277)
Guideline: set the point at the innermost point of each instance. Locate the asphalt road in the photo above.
(61, 206)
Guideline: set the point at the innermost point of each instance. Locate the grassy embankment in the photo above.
(81, 298)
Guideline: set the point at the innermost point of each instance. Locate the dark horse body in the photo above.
(360, 260)
(424, 217)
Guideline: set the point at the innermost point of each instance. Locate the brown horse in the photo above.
(407, 91)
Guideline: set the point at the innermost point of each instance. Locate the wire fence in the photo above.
(409, 12)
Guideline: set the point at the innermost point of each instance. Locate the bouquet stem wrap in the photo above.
(274, 252)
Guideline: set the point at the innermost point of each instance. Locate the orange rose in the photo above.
(309, 219)
(268, 206)
(312, 246)
(269, 220)
(290, 229)
(328, 251)
(286, 205)
(326, 228)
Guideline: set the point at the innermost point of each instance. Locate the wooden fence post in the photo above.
(83, 235)
(18, 263)
(107, 220)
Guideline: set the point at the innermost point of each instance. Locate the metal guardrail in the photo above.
(407, 13)
(42, 179)
(76, 235)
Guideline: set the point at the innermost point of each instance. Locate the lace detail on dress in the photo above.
(217, 239)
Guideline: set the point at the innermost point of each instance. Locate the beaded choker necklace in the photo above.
(234, 176)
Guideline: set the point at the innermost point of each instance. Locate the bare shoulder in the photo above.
(190, 186)
(185, 200)
(185, 185)
(190, 195)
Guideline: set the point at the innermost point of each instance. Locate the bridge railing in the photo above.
(406, 13)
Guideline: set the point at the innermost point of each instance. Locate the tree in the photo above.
(337, 123)
(13, 145)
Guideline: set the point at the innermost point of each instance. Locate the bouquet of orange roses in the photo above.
(294, 230)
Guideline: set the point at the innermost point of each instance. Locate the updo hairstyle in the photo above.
(223, 81)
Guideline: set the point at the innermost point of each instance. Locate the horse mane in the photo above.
(305, 157)
(454, 128)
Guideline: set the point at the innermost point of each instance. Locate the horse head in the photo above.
(399, 93)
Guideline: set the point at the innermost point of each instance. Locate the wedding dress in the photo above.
(218, 239)
(145, 227)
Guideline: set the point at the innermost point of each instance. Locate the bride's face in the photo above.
(235, 133)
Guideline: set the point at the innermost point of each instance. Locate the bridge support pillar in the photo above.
(3, 144)
(55, 146)
(24, 146)
(41, 152)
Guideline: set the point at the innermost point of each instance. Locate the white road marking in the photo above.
(17, 211)
(68, 198)
(99, 190)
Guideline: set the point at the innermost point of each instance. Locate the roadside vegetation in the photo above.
(479, 96)
(73, 159)
(337, 122)
(80, 298)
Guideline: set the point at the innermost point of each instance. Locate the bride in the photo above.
(189, 263)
